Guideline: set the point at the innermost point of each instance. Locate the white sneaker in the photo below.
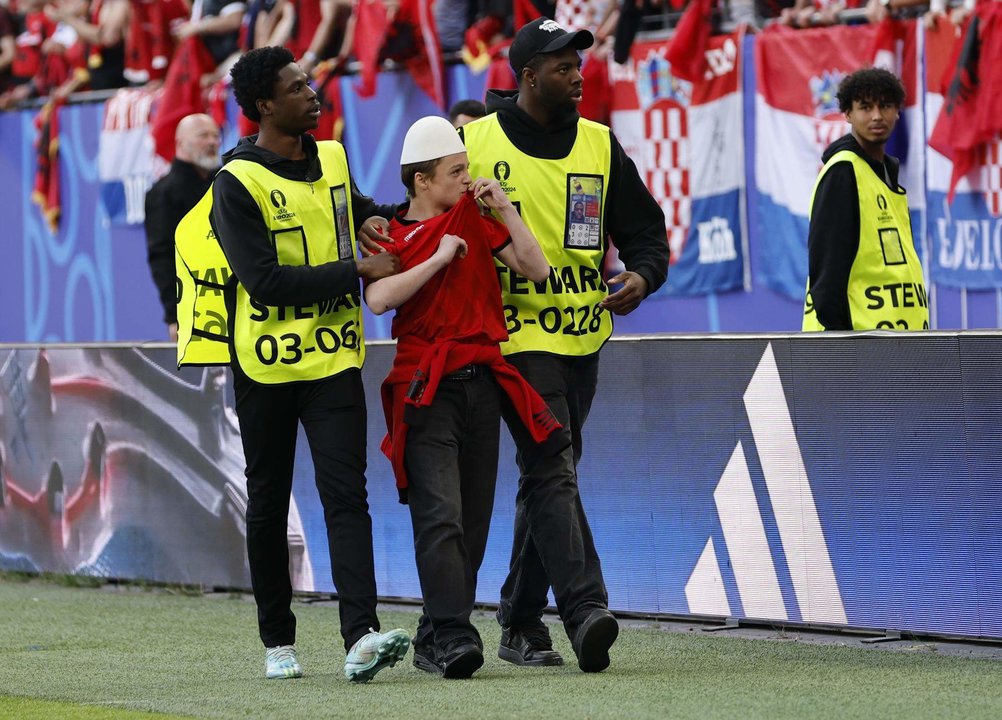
(373, 652)
(281, 662)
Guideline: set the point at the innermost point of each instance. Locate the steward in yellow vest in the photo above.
(864, 273)
(576, 189)
(310, 226)
(283, 211)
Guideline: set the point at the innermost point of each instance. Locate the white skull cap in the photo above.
(430, 138)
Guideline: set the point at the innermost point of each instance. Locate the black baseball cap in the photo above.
(544, 36)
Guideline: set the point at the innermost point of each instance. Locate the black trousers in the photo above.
(552, 541)
(333, 415)
(452, 460)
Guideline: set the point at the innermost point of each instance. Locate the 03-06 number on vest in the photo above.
(310, 224)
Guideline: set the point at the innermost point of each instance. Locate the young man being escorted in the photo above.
(442, 397)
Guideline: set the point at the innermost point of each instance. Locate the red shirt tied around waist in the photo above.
(447, 295)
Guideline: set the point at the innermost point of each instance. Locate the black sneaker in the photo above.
(528, 647)
(594, 636)
(461, 659)
(426, 658)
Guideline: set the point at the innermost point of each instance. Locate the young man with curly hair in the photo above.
(863, 271)
(285, 211)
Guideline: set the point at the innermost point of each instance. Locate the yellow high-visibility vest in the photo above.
(310, 224)
(563, 203)
(886, 289)
(201, 273)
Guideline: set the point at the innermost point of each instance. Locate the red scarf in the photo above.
(417, 371)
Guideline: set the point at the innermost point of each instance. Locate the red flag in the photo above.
(499, 72)
(45, 192)
(884, 50)
(596, 101)
(410, 39)
(182, 93)
(331, 112)
(971, 115)
(371, 25)
(424, 62)
(524, 12)
(687, 51)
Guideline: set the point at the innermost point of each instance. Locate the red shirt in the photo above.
(307, 20)
(454, 319)
(461, 302)
(149, 45)
(28, 45)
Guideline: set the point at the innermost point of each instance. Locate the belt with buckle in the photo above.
(467, 372)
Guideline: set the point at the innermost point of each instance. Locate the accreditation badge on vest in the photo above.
(342, 223)
(584, 212)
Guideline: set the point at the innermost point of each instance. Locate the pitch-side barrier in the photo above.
(844, 480)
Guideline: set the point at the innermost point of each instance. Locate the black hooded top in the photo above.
(833, 238)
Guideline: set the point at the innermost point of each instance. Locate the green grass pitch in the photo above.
(88, 653)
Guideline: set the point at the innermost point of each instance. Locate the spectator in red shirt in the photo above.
(64, 52)
(149, 44)
(312, 29)
(442, 398)
(36, 28)
(101, 28)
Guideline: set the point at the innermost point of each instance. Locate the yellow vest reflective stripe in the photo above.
(563, 202)
(886, 289)
(310, 223)
(202, 272)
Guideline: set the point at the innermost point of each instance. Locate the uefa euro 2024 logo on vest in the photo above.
(752, 560)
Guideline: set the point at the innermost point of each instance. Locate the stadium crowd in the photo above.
(59, 47)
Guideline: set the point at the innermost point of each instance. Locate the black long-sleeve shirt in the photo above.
(167, 202)
(833, 238)
(238, 224)
(633, 217)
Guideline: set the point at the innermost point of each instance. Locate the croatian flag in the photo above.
(967, 233)
(127, 163)
(687, 140)
(797, 117)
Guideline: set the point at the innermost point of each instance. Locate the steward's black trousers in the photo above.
(553, 543)
(333, 415)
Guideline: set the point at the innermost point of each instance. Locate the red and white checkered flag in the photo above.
(991, 175)
(667, 175)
